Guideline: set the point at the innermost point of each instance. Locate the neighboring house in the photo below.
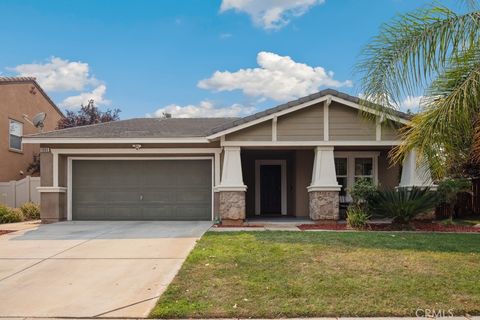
(294, 159)
(19, 97)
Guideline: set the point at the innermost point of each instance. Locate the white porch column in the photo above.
(324, 177)
(414, 173)
(231, 206)
(324, 188)
(232, 178)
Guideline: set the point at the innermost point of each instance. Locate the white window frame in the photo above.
(351, 155)
(355, 176)
(343, 175)
(10, 121)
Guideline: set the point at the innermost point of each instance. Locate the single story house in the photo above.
(295, 159)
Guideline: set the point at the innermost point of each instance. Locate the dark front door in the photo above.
(270, 189)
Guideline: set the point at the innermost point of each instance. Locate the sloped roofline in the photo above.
(33, 80)
(301, 103)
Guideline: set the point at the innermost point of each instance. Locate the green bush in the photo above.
(357, 217)
(31, 211)
(9, 215)
(362, 191)
(403, 204)
(448, 190)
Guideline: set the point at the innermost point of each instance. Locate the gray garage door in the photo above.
(141, 190)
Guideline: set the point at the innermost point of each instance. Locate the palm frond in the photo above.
(443, 130)
(406, 53)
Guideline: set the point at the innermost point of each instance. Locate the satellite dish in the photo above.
(39, 119)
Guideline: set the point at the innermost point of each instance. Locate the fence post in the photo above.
(28, 188)
(13, 192)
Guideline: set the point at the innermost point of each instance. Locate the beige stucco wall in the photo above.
(388, 174)
(303, 178)
(390, 131)
(347, 123)
(303, 125)
(17, 99)
(259, 132)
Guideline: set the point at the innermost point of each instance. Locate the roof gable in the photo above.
(292, 106)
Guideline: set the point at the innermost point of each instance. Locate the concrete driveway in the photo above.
(88, 269)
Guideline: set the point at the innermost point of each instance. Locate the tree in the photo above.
(88, 114)
(449, 189)
(434, 52)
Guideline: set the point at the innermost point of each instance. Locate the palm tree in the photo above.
(435, 52)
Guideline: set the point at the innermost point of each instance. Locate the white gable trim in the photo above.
(327, 97)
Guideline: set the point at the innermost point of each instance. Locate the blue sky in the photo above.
(147, 57)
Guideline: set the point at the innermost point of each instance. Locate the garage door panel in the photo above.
(141, 190)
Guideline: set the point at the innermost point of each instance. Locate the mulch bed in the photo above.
(418, 226)
(6, 231)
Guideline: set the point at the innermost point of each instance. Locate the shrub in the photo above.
(9, 215)
(31, 211)
(357, 217)
(449, 188)
(362, 191)
(404, 204)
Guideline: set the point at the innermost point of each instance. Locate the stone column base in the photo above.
(232, 206)
(324, 205)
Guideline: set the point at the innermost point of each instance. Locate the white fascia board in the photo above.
(310, 143)
(139, 151)
(369, 110)
(33, 140)
(304, 105)
(267, 117)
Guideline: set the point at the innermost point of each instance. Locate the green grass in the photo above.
(305, 274)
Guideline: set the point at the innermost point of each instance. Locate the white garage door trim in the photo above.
(70, 182)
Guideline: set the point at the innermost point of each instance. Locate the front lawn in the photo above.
(305, 274)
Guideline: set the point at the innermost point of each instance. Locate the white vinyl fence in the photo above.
(16, 193)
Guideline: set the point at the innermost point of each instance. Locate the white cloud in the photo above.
(270, 14)
(278, 77)
(58, 74)
(411, 102)
(96, 94)
(205, 109)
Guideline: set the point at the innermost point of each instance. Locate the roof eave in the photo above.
(80, 140)
(305, 104)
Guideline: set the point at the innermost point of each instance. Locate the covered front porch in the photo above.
(301, 182)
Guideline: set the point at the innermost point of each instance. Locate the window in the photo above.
(341, 170)
(15, 135)
(364, 168)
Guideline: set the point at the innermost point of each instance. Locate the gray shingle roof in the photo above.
(294, 103)
(183, 127)
(141, 128)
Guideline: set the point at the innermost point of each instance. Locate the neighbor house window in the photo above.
(364, 168)
(341, 170)
(15, 135)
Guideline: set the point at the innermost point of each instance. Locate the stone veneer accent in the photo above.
(323, 205)
(232, 205)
